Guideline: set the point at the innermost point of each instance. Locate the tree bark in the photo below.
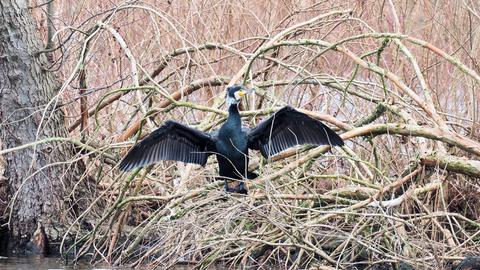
(38, 181)
(453, 164)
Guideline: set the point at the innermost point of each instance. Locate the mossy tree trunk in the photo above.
(38, 181)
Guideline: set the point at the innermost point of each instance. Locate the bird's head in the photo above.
(235, 93)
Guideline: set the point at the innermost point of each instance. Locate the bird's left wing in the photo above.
(289, 127)
(172, 141)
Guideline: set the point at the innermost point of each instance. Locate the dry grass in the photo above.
(373, 203)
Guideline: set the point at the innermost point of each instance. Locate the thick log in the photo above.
(453, 164)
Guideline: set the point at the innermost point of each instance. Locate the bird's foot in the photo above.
(236, 187)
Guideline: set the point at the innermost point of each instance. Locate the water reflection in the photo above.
(39, 263)
(29, 263)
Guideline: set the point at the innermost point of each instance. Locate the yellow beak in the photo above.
(241, 93)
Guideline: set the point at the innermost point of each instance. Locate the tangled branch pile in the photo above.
(404, 189)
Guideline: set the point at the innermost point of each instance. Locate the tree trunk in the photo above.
(38, 182)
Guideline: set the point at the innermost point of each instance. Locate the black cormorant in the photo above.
(284, 129)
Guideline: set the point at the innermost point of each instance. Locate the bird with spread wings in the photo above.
(284, 129)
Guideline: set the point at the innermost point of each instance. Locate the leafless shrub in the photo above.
(400, 78)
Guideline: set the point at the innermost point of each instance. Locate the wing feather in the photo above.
(172, 141)
(287, 128)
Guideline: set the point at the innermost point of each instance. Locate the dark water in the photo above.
(34, 263)
(39, 263)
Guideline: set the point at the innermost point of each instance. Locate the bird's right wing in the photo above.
(289, 127)
(172, 141)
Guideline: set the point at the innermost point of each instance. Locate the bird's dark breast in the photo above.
(232, 155)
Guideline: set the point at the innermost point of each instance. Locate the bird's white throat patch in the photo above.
(231, 100)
